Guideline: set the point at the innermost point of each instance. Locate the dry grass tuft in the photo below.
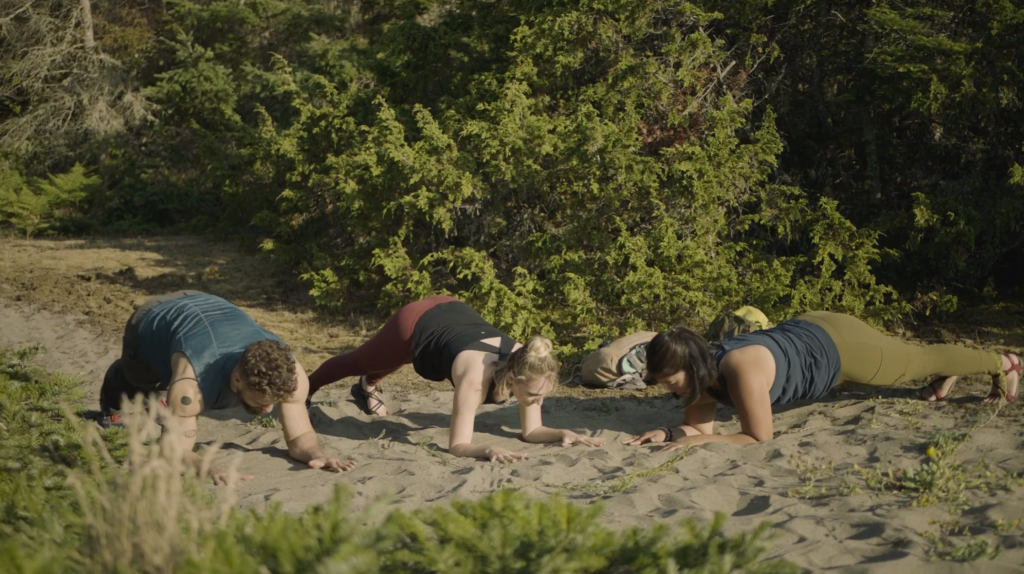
(141, 516)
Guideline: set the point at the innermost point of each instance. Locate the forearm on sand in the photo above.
(687, 430)
(543, 434)
(469, 450)
(305, 447)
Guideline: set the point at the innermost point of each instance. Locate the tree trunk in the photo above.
(89, 40)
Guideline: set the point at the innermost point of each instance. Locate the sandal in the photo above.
(999, 386)
(363, 397)
(109, 420)
(934, 388)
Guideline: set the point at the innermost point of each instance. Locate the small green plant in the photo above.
(951, 540)
(431, 450)
(383, 441)
(623, 484)
(904, 409)
(811, 474)
(265, 421)
(1004, 527)
(941, 478)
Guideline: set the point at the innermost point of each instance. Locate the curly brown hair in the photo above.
(268, 367)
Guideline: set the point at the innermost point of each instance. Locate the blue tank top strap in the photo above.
(720, 394)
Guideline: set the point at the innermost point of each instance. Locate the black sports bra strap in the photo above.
(507, 344)
(503, 351)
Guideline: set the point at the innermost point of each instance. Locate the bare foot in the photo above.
(938, 389)
(1012, 370)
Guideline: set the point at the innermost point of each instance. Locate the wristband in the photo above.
(668, 433)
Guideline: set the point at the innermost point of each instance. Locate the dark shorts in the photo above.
(129, 375)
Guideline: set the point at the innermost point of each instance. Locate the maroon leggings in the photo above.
(382, 355)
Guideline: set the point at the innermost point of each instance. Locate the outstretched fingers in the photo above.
(332, 464)
(221, 477)
(507, 456)
(644, 438)
(570, 438)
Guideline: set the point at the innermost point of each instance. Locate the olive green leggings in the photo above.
(873, 358)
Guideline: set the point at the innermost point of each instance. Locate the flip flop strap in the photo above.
(1014, 368)
(374, 393)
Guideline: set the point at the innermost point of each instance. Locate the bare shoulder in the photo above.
(469, 368)
(184, 398)
(301, 387)
(745, 359)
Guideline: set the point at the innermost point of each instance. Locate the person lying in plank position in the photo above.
(209, 354)
(800, 360)
(445, 338)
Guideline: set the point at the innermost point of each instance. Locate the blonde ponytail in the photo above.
(533, 361)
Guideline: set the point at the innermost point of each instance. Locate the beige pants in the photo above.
(871, 357)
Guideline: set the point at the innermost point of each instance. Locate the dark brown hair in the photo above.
(269, 370)
(680, 349)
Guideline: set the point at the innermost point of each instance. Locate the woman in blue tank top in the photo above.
(800, 360)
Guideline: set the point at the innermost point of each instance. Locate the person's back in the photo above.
(211, 332)
(806, 360)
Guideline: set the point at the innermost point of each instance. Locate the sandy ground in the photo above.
(74, 296)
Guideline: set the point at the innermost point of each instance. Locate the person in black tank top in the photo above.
(444, 338)
(800, 360)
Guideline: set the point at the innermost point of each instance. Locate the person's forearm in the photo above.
(686, 430)
(469, 450)
(305, 447)
(194, 460)
(542, 435)
(698, 439)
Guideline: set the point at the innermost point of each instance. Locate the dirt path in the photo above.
(69, 344)
(74, 296)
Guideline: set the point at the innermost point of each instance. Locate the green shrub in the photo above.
(905, 113)
(506, 532)
(34, 205)
(599, 170)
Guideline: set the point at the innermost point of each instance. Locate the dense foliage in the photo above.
(909, 114)
(577, 168)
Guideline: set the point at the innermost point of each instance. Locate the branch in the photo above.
(7, 19)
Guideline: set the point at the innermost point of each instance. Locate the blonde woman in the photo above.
(446, 339)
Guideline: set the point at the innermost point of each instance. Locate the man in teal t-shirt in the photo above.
(209, 354)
